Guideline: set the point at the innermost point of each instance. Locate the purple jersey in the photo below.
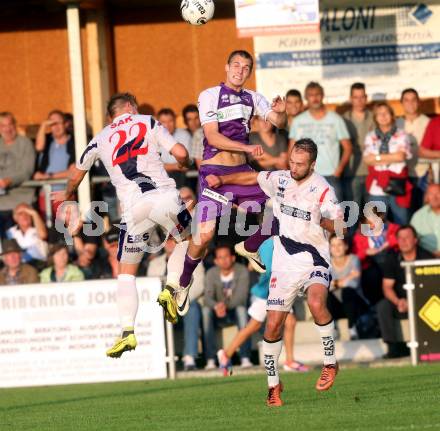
(232, 111)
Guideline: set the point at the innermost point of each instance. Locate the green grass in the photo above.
(401, 398)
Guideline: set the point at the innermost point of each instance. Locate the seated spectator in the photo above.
(294, 105)
(386, 151)
(56, 153)
(168, 119)
(426, 221)
(225, 302)
(370, 245)
(274, 143)
(345, 296)
(191, 119)
(17, 162)
(191, 321)
(430, 147)
(14, 271)
(60, 269)
(394, 306)
(30, 233)
(110, 266)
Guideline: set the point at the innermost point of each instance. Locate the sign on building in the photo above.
(389, 48)
(59, 333)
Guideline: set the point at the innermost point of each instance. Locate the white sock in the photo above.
(271, 351)
(127, 300)
(328, 342)
(176, 261)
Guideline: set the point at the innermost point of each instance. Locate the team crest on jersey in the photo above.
(234, 99)
(273, 283)
(313, 189)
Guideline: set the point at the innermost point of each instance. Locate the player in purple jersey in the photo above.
(225, 113)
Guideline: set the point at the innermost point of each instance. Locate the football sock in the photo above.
(127, 331)
(271, 352)
(252, 244)
(127, 300)
(189, 266)
(328, 341)
(176, 261)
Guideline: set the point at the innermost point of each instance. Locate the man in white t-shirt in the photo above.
(129, 148)
(305, 209)
(328, 130)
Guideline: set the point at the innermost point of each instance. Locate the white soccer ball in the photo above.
(197, 12)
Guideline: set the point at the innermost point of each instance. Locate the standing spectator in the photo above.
(167, 117)
(30, 233)
(15, 272)
(386, 152)
(225, 302)
(60, 269)
(359, 122)
(274, 144)
(430, 148)
(191, 119)
(426, 221)
(394, 306)
(294, 105)
(17, 161)
(414, 124)
(345, 297)
(328, 130)
(56, 153)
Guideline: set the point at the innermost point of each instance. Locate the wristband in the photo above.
(378, 158)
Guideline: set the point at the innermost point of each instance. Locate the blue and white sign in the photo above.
(388, 48)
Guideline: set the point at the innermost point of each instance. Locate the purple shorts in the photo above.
(213, 203)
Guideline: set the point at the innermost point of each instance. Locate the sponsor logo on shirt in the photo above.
(295, 212)
(234, 112)
(215, 196)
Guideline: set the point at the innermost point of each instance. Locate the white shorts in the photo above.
(258, 310)
(161, 208)
(285, 286)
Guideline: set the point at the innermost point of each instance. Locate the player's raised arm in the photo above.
(331, 215)
(180, 153)
(278, 116)
(242, 178)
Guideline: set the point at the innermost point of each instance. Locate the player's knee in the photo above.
(316, 304)
(273, 330)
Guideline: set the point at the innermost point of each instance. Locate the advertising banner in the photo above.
(268, 17)
(59, 333)
(387, 48)
(427, 306)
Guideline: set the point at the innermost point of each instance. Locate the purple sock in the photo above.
(189, 266)
(253, 243)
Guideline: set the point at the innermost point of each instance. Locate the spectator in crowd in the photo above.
(109, 265)
(430, 147)
(167, 117)
(68, 120)
(191, 321)
(225, 302)
(359, 121)
(426, 221)
(56, 153)
(274, 144)
(60, 269)
(330, 133)
(394, 305)
(17, 162)
(414, 124)
(345, 298)
(30, 233)
(191, 119)
(294, 105)
(14, 271)
(371, 243)
(386, 152)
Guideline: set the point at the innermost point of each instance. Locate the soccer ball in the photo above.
(197, 12)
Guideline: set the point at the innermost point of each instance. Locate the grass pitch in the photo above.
(394, 399)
